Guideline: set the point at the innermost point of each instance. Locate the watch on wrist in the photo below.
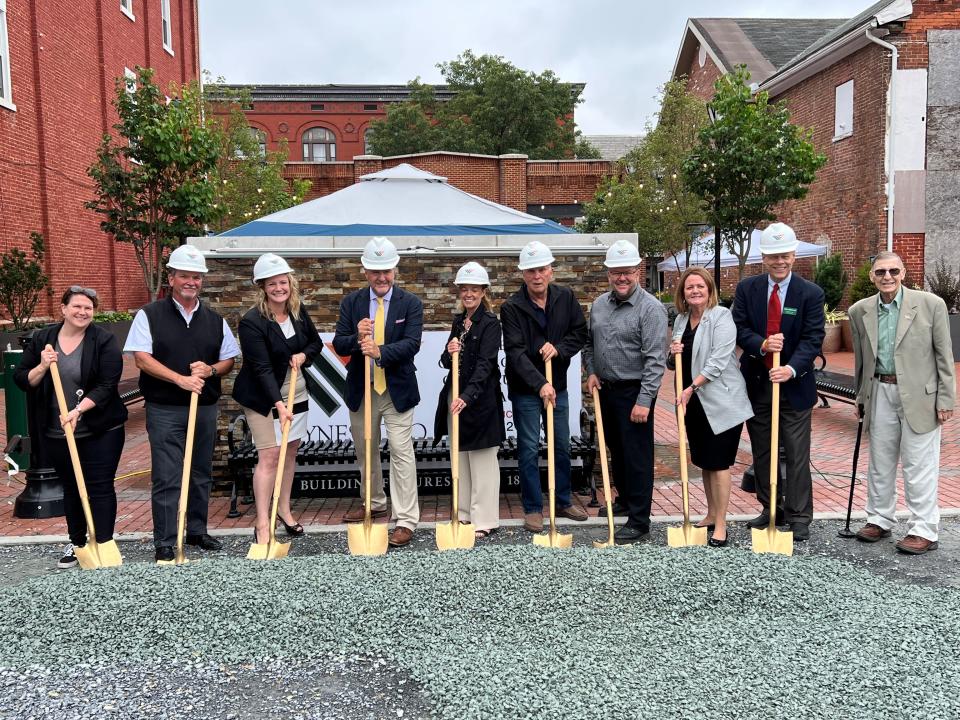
(213, 371)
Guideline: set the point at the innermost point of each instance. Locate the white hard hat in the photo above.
(535, 254)
(270, 265)
(778, 238)
(622, 254)
(187, 257)
(379, 254)
(472, 274)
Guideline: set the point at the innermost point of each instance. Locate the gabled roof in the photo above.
(613, 147)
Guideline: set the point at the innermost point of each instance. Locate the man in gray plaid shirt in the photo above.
(625, 357)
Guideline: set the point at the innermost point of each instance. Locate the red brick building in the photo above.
(835, 77)
(57, 70)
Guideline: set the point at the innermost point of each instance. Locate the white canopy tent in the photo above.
(703, 254)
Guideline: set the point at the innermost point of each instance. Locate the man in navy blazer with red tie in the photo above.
(780, 311)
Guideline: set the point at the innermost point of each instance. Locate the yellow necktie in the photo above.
(379, 378)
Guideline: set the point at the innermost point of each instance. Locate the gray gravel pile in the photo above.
(510, 631)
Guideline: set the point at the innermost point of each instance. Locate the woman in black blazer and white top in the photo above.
(275, 336)
(90, 365)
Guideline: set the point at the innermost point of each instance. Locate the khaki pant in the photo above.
(480, 488)
(403, 468)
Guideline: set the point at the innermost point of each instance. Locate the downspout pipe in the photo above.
(891, 171)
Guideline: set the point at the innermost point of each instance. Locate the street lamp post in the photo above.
(717, 244)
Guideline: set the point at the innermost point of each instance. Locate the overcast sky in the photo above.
(622, 50)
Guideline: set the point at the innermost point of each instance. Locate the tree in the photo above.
(153, 185)
(22, 280)
(832, 279)
(648, 196)
(748, 160)
(496, 108)
(248, 181)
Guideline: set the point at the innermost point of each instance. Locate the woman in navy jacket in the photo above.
(90, 364)
(275, 336)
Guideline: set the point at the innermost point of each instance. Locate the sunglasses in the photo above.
(880, 272)
(80, 290)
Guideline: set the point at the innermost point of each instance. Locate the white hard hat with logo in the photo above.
(535, 254)
(187, 258)
(379, 254)
(622, 254)
(778, 238)
(472, 273)
(270, 265)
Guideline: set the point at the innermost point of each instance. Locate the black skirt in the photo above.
(709, 451)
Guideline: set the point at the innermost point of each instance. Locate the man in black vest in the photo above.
(181, 346)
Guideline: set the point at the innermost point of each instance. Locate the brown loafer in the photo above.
(573, 512)
(400, 536)
(356, 515)
(533, 522)
(871, 533)
(916, 545)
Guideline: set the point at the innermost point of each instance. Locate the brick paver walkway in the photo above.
(834, 433)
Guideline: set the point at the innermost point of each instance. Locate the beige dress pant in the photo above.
(892, 441)
(480, 488)
(403, 469)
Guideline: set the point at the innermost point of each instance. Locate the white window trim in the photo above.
(847, 132)
(5, 100)
(131, 77)
(165, 13)
(128, 11)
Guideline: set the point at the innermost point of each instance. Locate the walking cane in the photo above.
(552, 538)
(846, 532)
(455, 534)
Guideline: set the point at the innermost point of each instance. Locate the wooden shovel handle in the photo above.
(774, 440)
(551, 467)
(682, 439)
(278, 481)
(455, 442)
(367, 441)
(185, 477)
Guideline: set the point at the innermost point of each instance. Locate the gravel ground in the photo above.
(508, 630)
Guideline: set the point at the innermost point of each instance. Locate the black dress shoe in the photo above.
(713, 542)
(205, 541)
(628, 535)
(164, 554)
(295, 530)
(618, 509)
(801, 531)
(763, 520)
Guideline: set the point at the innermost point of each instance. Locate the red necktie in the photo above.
(773, 320)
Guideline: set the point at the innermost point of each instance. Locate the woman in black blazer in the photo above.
(90, 364)
(275, 336)
(476, 336)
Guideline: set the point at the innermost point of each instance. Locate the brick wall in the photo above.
(62, 72)
(910, 247)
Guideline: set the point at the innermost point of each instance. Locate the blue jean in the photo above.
(528, 411)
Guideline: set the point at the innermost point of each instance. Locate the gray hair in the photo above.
(886, 255)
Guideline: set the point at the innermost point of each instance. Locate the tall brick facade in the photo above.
(62, 74)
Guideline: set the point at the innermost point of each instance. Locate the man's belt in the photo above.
(889, 379)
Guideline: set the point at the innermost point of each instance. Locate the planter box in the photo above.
(833, 339)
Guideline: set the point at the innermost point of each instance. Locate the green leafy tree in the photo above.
(649, 196)
(748, 160)
(22, 280)
(153, 178)
(496, 108)
(832, 279)
(248, 181)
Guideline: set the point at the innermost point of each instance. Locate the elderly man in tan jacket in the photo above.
(906, 385)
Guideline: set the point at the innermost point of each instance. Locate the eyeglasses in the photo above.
(880, 272)
(621, 273)
(80, 290)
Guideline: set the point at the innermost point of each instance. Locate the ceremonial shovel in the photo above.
(455, 534)
(552, 538)
(687, 534)
(273, 550)
(605, 472)
(92, 555)
(771, 540)
(179, 556)
(368, 537)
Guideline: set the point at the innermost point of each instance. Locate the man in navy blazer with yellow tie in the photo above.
(780, 311)
(383, 324)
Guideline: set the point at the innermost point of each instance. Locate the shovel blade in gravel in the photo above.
(771, 540)
(686, 535)
(367, 538)
(109, 554)
(455, 536)
(553, 539)
(87, 556)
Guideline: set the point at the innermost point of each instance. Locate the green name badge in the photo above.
(789, 311)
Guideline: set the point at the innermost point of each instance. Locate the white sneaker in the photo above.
(69, 559)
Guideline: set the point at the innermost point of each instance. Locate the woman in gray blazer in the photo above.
(714, 396)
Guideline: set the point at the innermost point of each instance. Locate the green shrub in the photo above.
(112, 316)
(22, 280)
(832, 279)
(863, 286)
(945, 284)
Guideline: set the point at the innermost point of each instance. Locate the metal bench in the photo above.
(837, 386)
(129, 390)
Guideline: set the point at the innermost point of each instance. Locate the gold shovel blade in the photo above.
(268, 551)
(602, 544)
(88, 556)
(771, 540)
(455, 536)
(109, 554)
(686, 535)
(553, 539)
(180, 557)
(367, 538)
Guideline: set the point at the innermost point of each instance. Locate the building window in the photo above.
(165, 26)
(843, 111)
(130, 77)
(319, 144)
(368, 141)
(6, 91)
(317, 106)
(369, 107)
(261, 138)
(126, 7)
